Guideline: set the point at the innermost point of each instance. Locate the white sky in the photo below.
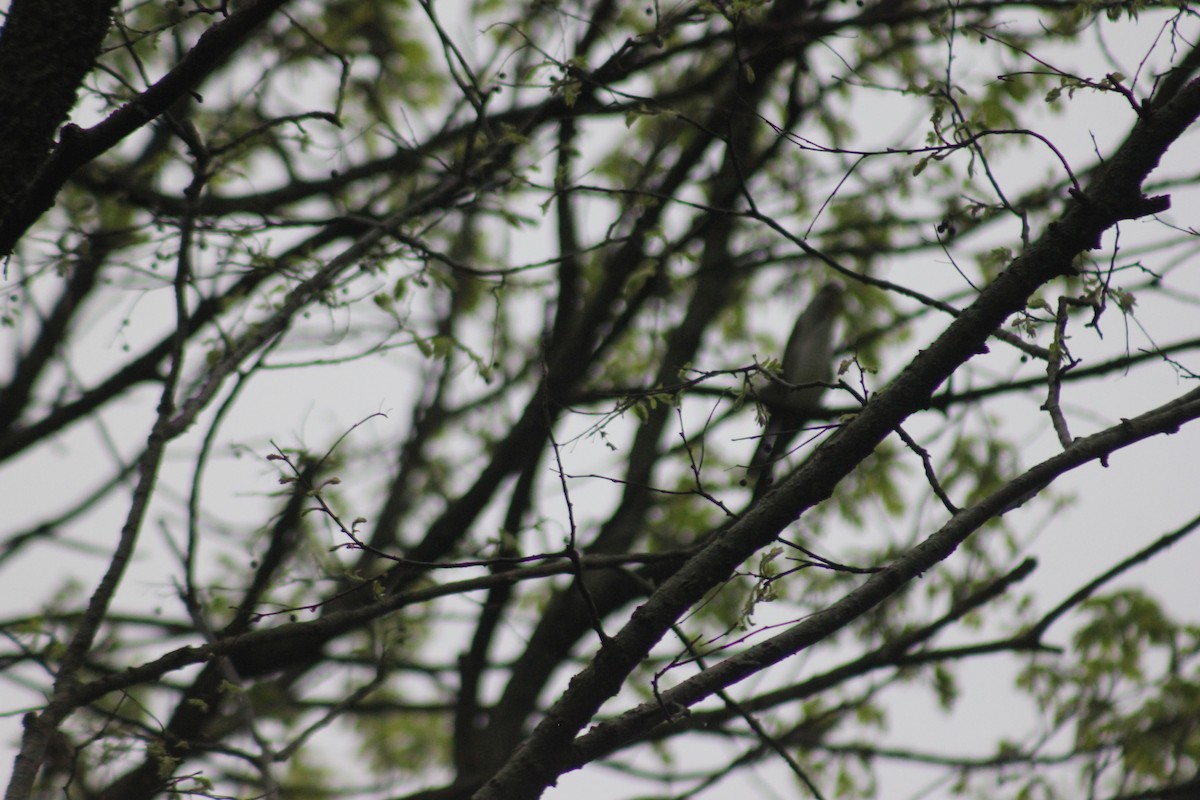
(1147, 491)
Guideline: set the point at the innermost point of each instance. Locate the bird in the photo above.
(808, 359)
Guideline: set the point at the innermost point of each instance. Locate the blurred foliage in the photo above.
(551, 247)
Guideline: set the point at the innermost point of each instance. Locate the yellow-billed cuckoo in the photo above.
(807, 360)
